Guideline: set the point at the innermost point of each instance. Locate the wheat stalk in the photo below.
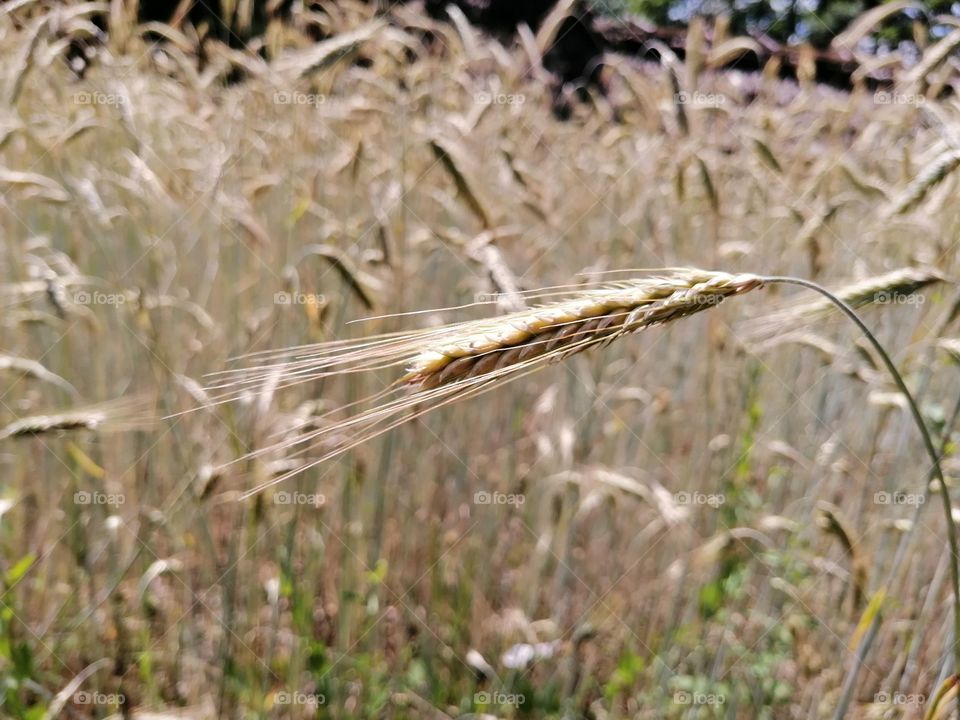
(936, 472)
(453, 362)
(117, 415)
(894, 286)
(439, 366)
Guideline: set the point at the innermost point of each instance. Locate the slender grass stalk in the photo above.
(946, 686)
(927, 442)
(933, 590)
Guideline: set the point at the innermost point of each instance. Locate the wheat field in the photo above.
(725, 516)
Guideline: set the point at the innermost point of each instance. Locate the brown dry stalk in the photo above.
(833, 521)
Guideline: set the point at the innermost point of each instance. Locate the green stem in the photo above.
(924, 432)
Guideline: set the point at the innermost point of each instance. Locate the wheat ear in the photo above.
(24, 367)
(113, 416)
(450, 363)
(891, 287)
(559, 330)
(932, 174)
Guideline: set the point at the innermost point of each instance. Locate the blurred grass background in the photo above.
(667, 551)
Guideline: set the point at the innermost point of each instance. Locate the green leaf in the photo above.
(20, 569)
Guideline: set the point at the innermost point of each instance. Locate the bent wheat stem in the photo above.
(927, 442)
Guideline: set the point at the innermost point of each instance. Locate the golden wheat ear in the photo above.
(443, 365)
(899, 287)
(121, 415)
